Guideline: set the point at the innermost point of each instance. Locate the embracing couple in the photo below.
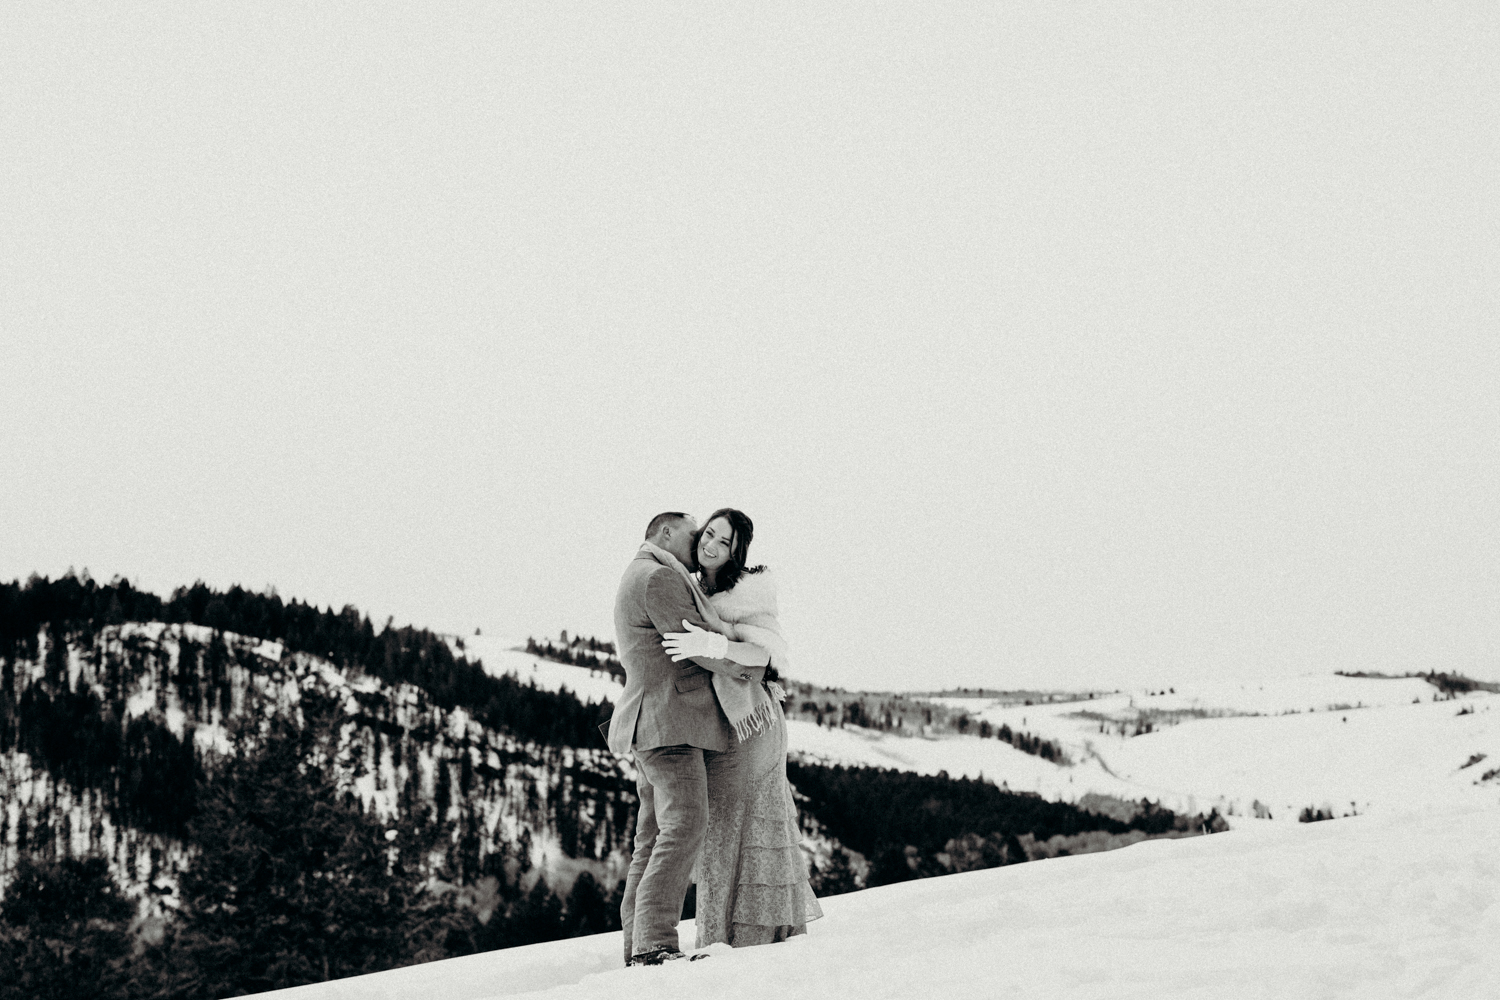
(698, 636)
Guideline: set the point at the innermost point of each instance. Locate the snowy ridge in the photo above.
(1398, 905)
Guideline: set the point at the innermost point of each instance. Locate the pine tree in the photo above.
(63, 932)
(836, 876)
(587, 911)
(294, 883)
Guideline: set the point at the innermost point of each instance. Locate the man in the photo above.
(670, 718)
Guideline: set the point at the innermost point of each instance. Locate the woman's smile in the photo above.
(714, 543)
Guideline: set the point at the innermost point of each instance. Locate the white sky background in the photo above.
(1046, 344)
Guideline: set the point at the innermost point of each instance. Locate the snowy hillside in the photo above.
(1397, 905)
(1342, 744)
(507, 656)
(566, 809)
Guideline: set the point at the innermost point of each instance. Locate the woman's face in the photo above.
(715, 543)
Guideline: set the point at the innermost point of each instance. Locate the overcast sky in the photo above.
(1046, 344)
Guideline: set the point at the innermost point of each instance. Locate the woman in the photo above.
(752, 875)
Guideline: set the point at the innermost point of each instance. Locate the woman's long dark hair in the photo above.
(744, 530)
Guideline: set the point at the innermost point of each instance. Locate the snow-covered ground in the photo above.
(1398, 905)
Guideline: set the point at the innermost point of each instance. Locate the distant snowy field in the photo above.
(1397, 905)
(1291, 693)
(1400, 750)
(1341, 744)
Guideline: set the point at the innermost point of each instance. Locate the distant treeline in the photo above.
(892, 714)
(903, 821)
(346, 638)
(579, 652)
(1025, 742)
(1456, 684)
(1449, 684)
(888, 713)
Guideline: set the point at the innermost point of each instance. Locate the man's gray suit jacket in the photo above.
(665, 703)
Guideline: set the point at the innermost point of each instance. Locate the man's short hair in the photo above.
(661, 519)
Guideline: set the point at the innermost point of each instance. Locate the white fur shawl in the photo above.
(750, 606)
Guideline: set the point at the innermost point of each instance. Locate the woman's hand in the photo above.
(694, 642)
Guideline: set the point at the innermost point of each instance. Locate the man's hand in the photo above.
(694, 642)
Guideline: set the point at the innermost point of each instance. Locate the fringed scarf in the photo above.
(747, 705)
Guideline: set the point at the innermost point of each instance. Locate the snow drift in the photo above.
(1390, 905)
